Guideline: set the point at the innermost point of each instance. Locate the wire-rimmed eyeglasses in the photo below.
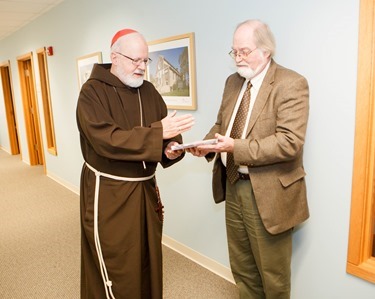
(136, 61)
(243, 53)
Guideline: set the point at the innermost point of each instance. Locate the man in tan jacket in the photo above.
(258, 168)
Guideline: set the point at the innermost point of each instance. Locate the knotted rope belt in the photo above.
(107, 282)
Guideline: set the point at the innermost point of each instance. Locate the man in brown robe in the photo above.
(124, 132)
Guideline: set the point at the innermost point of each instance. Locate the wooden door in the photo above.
(9, 108)
(30, 109)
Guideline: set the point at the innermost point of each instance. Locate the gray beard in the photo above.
(128, 80)
(246, 72)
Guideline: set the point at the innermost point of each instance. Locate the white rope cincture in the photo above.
(141, 115)
(107, 282)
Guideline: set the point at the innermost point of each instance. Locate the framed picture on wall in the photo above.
(85, 65)
(172, 70)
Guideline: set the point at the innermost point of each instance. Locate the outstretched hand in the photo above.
(174, 125)
(224, 144)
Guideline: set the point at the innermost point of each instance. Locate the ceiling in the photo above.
(14, 14)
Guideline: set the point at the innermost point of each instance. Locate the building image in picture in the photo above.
(169, 71)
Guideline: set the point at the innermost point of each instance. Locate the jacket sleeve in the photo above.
(279, 132)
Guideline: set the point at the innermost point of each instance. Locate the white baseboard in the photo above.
(5, 150)
(198, 258)
(64, 183)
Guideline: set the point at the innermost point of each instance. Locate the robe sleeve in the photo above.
(110, 140)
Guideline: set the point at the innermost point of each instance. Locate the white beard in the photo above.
(246, 72)
(128, 79)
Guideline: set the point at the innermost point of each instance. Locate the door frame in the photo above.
(10, 110)
(30, 108)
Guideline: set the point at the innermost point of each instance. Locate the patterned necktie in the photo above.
(236, 133)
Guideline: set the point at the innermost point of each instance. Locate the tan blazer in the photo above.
(273, 147)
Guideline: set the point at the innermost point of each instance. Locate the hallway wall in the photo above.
(316, 38)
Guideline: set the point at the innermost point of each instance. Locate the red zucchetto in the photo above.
(121, 33)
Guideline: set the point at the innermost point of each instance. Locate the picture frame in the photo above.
(172, 70)
(85, 65)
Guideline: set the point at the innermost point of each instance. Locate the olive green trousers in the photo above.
(260, 262)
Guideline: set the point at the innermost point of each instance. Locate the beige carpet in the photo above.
(40, 243)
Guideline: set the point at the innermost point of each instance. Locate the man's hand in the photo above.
(174, 125)
(171, 155)
(224, 144)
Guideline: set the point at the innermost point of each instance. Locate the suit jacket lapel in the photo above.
(263, 96)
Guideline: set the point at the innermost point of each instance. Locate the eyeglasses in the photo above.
(136, 61)
(241, 53)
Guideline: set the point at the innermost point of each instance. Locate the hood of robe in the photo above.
(102, 72)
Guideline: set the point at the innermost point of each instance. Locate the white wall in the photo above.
(316, 38)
